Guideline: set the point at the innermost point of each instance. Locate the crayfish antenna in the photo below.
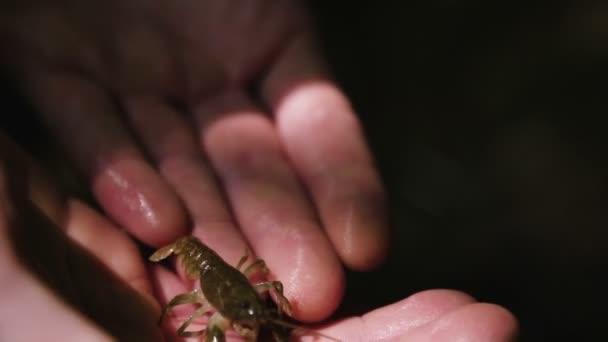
(303, 329)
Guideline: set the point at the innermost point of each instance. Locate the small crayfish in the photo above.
(226, 289)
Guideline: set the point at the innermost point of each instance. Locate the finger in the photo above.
(84, 118)
(269, 203)
(81, 280)
(174, 148)
(25, 302)
(110, 245)
(399, 318)
(435, 315)
(473, 322)
(36, 257)
(85, 226)
(324, 141)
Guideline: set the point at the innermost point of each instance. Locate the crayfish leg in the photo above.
(181, 331)
(216, 328)
(243, 259)
(195, 296)
(276, 292)
(249, 333)
(258, 265)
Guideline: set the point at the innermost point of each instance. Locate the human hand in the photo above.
(434, 315)
(429, 316)
(78, 278)
(66, 273)
(153, 100)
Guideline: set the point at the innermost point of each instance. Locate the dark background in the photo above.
(487, 119)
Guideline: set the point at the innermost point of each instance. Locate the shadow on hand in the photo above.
(74, 274)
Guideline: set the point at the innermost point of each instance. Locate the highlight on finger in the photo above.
(171, 141)
(84, 225)
(270, 205)
(324, 140)
(86, 121)
(38, 259)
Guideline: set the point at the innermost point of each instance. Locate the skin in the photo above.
(440, 315)
(155, 109)
(79, 277)
(153, 102)
(56, 270)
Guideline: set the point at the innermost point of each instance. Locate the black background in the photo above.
(487, 119)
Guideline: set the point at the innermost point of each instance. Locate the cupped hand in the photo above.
(66, 272)
(216, 117)
(430, 316)
(427, 316)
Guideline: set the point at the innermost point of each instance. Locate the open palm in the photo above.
(210, 117)
(214, 118)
